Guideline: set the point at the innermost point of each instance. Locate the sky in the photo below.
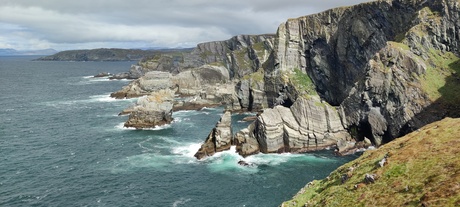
(89, 24)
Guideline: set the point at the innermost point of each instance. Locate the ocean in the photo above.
(62, 143)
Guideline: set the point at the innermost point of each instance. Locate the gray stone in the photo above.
(219, 139)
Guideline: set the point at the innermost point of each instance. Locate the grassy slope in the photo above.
(423, 168)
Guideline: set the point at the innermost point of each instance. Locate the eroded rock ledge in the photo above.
(309, 124)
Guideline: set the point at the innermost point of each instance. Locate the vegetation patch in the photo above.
(301, 82)
(241, 57)
(441, 80)
(420, 169)
(255, 78)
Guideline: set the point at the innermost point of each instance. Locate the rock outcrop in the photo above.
(309, 124)
(151, 111)
(210, 72)
(219, 139)
(151, 82)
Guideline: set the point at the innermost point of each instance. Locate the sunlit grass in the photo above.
(423, 168)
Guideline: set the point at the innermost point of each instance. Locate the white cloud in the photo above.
(35, 24)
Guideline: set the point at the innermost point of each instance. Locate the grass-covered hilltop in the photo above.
(419, 169)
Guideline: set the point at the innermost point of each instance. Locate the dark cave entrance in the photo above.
(287, 103)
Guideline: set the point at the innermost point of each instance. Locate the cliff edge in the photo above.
(419, 169)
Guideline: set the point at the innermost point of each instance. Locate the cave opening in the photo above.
(287, 103)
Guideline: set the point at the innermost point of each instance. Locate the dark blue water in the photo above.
(62, 144)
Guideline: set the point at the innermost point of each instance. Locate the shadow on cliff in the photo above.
(447, 105)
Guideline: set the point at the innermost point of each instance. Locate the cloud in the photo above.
(32, 24)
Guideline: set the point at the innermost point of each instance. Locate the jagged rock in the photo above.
(245, 141)
(151, 82)
(251, 92)
(219, 139)
(134, 72)
(308, 125)
(151, 111)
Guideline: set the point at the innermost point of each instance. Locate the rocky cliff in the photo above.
(384, 63)
(374, 71)
(221, 72)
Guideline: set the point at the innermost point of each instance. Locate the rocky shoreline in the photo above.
(348, 77)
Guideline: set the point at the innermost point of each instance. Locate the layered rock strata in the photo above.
(208, 68)
(377, 70)
(151, 111)
(151, 82)
(381, 62)
(309, 124)
(219, 139)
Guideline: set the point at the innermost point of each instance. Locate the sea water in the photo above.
(62, 143)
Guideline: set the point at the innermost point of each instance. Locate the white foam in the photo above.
(187, 150)
(103, 98)
(272, 159)
(181, 201)
(168, 140)
(91, 99)
(184, 113)
(121, 126)
(157, 128)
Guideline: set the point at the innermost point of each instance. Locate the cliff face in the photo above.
(242, 54)
(223, 72)
(377, 61)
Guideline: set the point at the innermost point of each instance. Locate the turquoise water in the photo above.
(62, 144)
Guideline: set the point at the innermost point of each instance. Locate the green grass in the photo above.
(302, 83)
(259, 48)
(255, 78)
(423, 167)
(441, 78)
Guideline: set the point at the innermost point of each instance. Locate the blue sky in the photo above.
(87, 24)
